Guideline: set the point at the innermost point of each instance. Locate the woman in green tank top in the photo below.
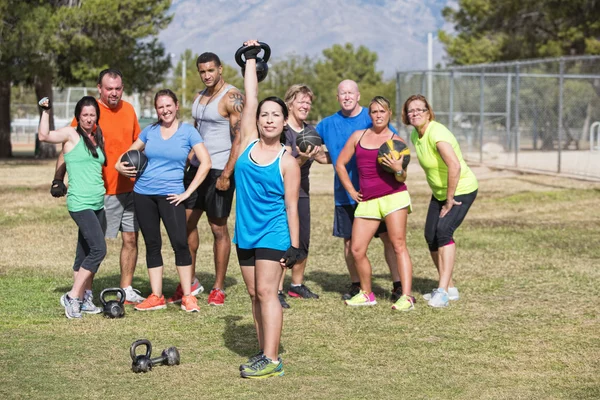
(83, 148)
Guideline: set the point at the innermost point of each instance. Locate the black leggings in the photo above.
(439, 231)
(91, 245)
(149, 211)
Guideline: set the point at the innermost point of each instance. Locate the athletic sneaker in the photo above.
(252, 360)
(87, 305)
(353, 290)
(196, 290)
(302, 292)
(132, 296)
(396, 294)
(362, 299)
(439, 298)
(72, 307)
(190, 304)
(404, 303)
(216, 297)
(452, 294)
(153, 302)
(262, 368)
(282, 301)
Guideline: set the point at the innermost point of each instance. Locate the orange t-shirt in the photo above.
(120, 129)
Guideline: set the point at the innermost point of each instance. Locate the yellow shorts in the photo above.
(382, 206)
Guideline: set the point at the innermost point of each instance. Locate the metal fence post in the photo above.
(398, 105)
(451, 102)
(561, 81)
(508, 94)
(481, 111)
(517, 107)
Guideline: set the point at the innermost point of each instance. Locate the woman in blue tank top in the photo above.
(266, 222)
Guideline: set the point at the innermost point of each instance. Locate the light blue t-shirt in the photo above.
(335, 131)
(166, 160)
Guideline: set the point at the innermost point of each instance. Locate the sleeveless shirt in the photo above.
(86, 187)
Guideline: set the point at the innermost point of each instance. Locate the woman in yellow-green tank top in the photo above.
(83, 148)
(454, 188)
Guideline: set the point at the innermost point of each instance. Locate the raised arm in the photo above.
(340, 166)
(248, 130)
(235, 106)
(62, 135)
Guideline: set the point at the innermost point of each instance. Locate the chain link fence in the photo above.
(536, 115)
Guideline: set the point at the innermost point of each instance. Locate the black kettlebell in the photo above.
(262, 68)
(113, 308)
(141, 362)
(168, 357)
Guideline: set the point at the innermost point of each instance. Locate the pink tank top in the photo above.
(374, 181)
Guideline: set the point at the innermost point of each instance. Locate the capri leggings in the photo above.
(439, 231)
(149, 211)
(91, 246)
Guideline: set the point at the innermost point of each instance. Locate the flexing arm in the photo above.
(235, 106)
(451, 160)
(340, 166)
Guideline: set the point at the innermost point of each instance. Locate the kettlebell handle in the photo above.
(112, 290)
(138, 343)
(242, 61)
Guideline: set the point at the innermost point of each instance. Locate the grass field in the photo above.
(527, 325)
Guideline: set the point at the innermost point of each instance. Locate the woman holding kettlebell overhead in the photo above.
(266, 225)
(158, 194)
(83, 147)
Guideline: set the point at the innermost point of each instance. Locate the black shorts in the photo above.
(304, 217)
(215, 203)
(343, 219)
(248, 257)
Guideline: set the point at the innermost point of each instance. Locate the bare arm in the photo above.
(248, 129)
(122, 167)
(340, 166)
(205, 164)
(451, 160)
(235, 106)
(291, 182)
(63, 135)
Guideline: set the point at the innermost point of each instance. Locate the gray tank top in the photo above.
(214, 129)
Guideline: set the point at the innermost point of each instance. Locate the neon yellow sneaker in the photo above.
(362, 299)
(404, 303)
(262, 368)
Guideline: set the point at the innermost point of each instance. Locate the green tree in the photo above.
(59, 42)
(500, 30)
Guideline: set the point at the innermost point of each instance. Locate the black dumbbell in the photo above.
(113, 308)
(262, 68)
(141, 362)
(168, 357)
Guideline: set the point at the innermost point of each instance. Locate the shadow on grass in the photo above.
(338, 283)
(241, 338)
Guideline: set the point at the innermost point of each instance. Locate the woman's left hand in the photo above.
(392, 163)
(177, 198)
(448, 206)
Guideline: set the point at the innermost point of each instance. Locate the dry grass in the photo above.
(526, 327)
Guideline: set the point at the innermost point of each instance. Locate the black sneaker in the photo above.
(302, 292)
(396, 294)
(282, 301)
(353, 290)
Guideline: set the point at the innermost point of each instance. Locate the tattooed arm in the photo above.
(235, 105)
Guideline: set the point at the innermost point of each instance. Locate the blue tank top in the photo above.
(260, 215)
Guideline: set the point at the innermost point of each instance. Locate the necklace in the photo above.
(201, 119)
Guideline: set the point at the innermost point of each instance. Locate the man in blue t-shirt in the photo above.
(335, 131)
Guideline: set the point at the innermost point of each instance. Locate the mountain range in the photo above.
(395, 30)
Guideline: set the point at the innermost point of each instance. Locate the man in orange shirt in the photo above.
(120, 128)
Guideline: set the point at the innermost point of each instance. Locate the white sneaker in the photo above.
(439, 298)
(87, 305)
(133, 296)
(452, 294)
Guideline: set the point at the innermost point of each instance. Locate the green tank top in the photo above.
(86, 187)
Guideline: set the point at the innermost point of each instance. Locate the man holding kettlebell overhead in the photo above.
(217, 114)
(120, 127)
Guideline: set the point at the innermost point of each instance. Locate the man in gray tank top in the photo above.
(217, 114)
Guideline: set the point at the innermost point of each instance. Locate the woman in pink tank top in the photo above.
(382, 196)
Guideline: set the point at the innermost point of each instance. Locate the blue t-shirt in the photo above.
(166, 160)
(335, 131)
